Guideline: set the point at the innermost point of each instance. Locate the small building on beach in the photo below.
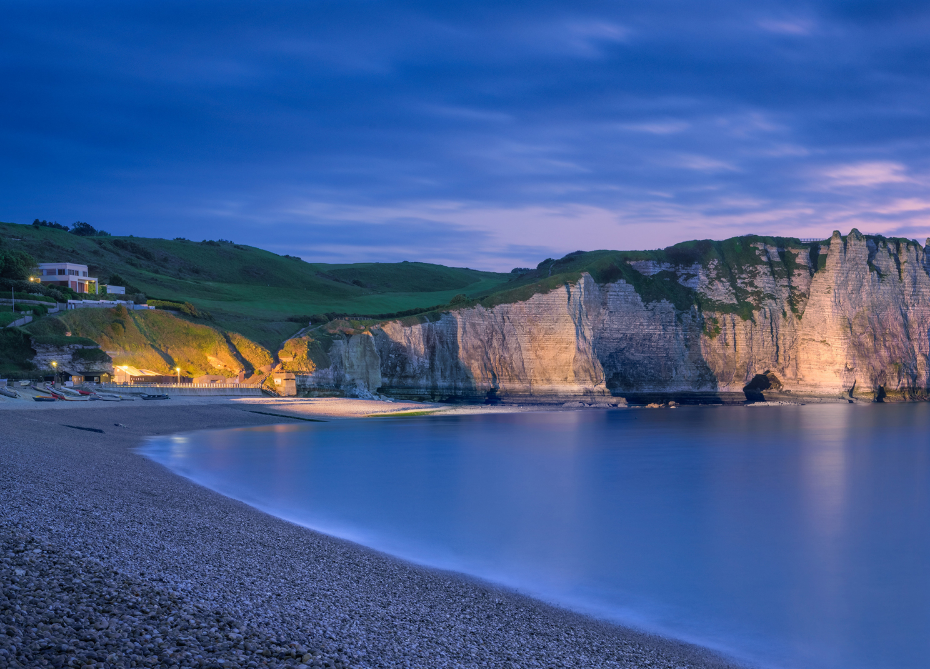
(128, 374)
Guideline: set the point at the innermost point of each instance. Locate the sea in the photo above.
(782, 536)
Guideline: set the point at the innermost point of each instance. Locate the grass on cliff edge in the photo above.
(246, 289)
(731, 258)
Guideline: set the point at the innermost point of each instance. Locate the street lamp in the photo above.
(178, 370)
(55, 367)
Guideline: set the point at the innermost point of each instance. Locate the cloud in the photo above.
(866, 174)
(799, 27)
(703, 164)
(657, 127)
(904, 206)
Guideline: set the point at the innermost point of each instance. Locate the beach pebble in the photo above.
(45, 624)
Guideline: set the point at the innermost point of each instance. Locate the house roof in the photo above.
(133, 371)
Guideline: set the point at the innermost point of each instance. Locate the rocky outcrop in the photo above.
(77, 359)
(847, 318)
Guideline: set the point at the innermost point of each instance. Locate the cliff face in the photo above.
(850, 318)
(73, 359)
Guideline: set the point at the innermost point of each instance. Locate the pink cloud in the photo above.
(866, 174)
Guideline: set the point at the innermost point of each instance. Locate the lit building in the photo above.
(69, 275)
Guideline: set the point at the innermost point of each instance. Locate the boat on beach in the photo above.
(67, 394)
(107, 397)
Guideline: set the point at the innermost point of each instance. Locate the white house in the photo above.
(115, 290)
(67, 274)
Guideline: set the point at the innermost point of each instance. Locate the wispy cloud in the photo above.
(798, 27)
(866, 174)
(703, 164)
(589, 37)
(657, 127)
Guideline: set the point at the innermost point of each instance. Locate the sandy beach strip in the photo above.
(70, 480)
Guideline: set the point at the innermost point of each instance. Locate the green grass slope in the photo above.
(246, 289)
(160, 341)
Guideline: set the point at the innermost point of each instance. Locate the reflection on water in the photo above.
(791, 536)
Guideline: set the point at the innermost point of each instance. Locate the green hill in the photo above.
(248, 290)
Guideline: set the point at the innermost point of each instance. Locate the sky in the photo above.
(482, 134)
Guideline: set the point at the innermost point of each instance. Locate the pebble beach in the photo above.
(109, 560)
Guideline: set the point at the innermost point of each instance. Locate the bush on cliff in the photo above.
(16, 351)
(51, 326)
(16, 265)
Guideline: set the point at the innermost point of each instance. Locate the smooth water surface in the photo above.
(794, 536)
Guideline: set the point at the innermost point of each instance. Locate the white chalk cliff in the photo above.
(854, 325)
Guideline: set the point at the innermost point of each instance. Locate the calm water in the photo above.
(790, 536)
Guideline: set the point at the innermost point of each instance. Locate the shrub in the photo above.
(53, 327)
(56, 340)
(16, 351)
(183, 307)
(33, 296)
(37, 310)
(49, 224)
(82, 229)
(133, 248)
(16, 265)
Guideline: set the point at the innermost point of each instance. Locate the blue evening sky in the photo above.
(480, 134)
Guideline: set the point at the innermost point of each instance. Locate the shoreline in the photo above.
(91, 492)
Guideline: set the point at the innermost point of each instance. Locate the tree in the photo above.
(16, 265)
(82, 229)
(49, 224)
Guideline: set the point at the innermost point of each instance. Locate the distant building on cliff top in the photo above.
(68, 274)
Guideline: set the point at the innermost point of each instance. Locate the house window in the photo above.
(83, 273)
(61, 272)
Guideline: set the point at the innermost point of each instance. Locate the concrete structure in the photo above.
(217, 378)
(70, 275)
(186, 389)
(115, 290)
(106, 304)
(285, 383)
